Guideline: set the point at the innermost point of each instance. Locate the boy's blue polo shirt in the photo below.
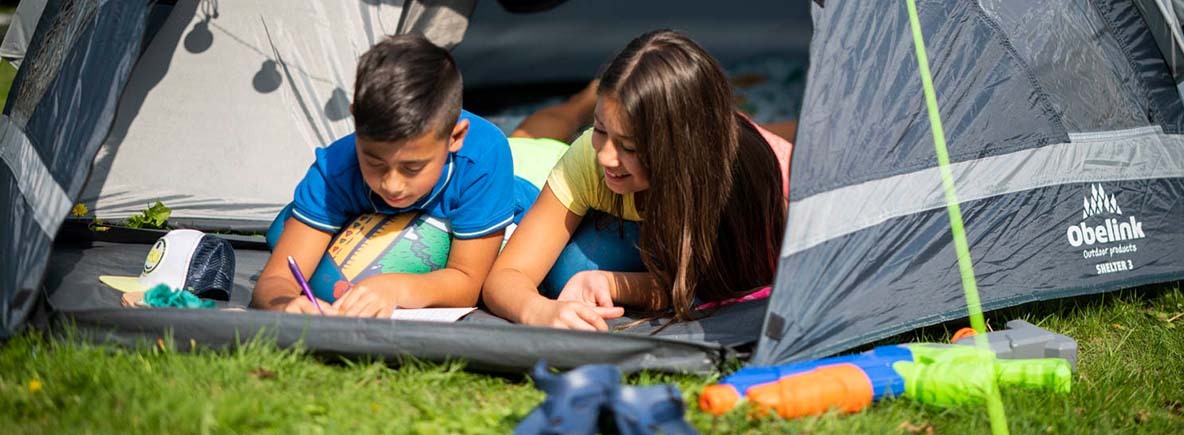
(477, 192)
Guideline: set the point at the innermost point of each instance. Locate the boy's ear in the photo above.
(457, 138)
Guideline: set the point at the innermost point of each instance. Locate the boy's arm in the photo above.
(456, 285)
(276, 288)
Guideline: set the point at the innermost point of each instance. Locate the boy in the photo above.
(414, 149)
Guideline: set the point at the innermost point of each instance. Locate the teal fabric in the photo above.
(162, 296)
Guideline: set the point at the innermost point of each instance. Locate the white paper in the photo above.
(432, 314)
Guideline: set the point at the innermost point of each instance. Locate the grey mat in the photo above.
(485, 341)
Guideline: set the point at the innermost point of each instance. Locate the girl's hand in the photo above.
(368, 298)
(569, 315)
(592, 287)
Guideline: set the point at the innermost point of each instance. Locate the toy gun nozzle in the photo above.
(718, 399)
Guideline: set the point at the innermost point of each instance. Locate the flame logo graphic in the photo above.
(1098, 202)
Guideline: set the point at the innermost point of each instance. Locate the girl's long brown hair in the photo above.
(714, 213)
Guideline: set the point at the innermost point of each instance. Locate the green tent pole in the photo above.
(965, 266)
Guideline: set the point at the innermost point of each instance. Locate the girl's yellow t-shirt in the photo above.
(578, 181)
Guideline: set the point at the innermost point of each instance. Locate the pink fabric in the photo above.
(764, 292)
(783, 149)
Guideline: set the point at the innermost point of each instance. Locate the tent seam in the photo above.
(1120, 40)
(1057, 123)
(1057, 134)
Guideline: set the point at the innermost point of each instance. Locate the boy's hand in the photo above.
(592, 287)
(369, 298)
(569, 315)
(301, 305)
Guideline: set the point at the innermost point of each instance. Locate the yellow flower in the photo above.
(34, 386)
(79, 210)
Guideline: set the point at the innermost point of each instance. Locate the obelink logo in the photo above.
(1111, 230)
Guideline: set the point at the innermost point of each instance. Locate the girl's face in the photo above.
(616, 152)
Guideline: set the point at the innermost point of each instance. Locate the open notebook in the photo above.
(432, 314)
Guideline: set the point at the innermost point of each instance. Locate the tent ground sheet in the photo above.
(485, 342)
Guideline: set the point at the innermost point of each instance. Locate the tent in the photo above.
(1063, 123)
(215, 108)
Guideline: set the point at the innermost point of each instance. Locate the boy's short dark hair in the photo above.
(405, 86)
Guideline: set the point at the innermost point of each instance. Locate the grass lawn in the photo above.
(1130, 378)
(7, 74)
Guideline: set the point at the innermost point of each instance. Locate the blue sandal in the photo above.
(591, 397)
(573, 402)
(649, 410)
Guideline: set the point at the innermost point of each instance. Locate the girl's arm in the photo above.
(511, 289)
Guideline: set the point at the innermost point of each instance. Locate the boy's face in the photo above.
(402, 172)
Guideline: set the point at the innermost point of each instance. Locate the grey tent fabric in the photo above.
(495, 348)
(74, 70)
(442, 21)
(20, 31)
(230, 99)
(1062, 122)
(1163, 21)
(289, 71)
(71, 284)
(573, 40)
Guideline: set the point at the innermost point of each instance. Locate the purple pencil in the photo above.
(303, 283)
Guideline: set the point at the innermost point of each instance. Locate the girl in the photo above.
(669, 152)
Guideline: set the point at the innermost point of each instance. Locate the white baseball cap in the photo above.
(191, 260)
